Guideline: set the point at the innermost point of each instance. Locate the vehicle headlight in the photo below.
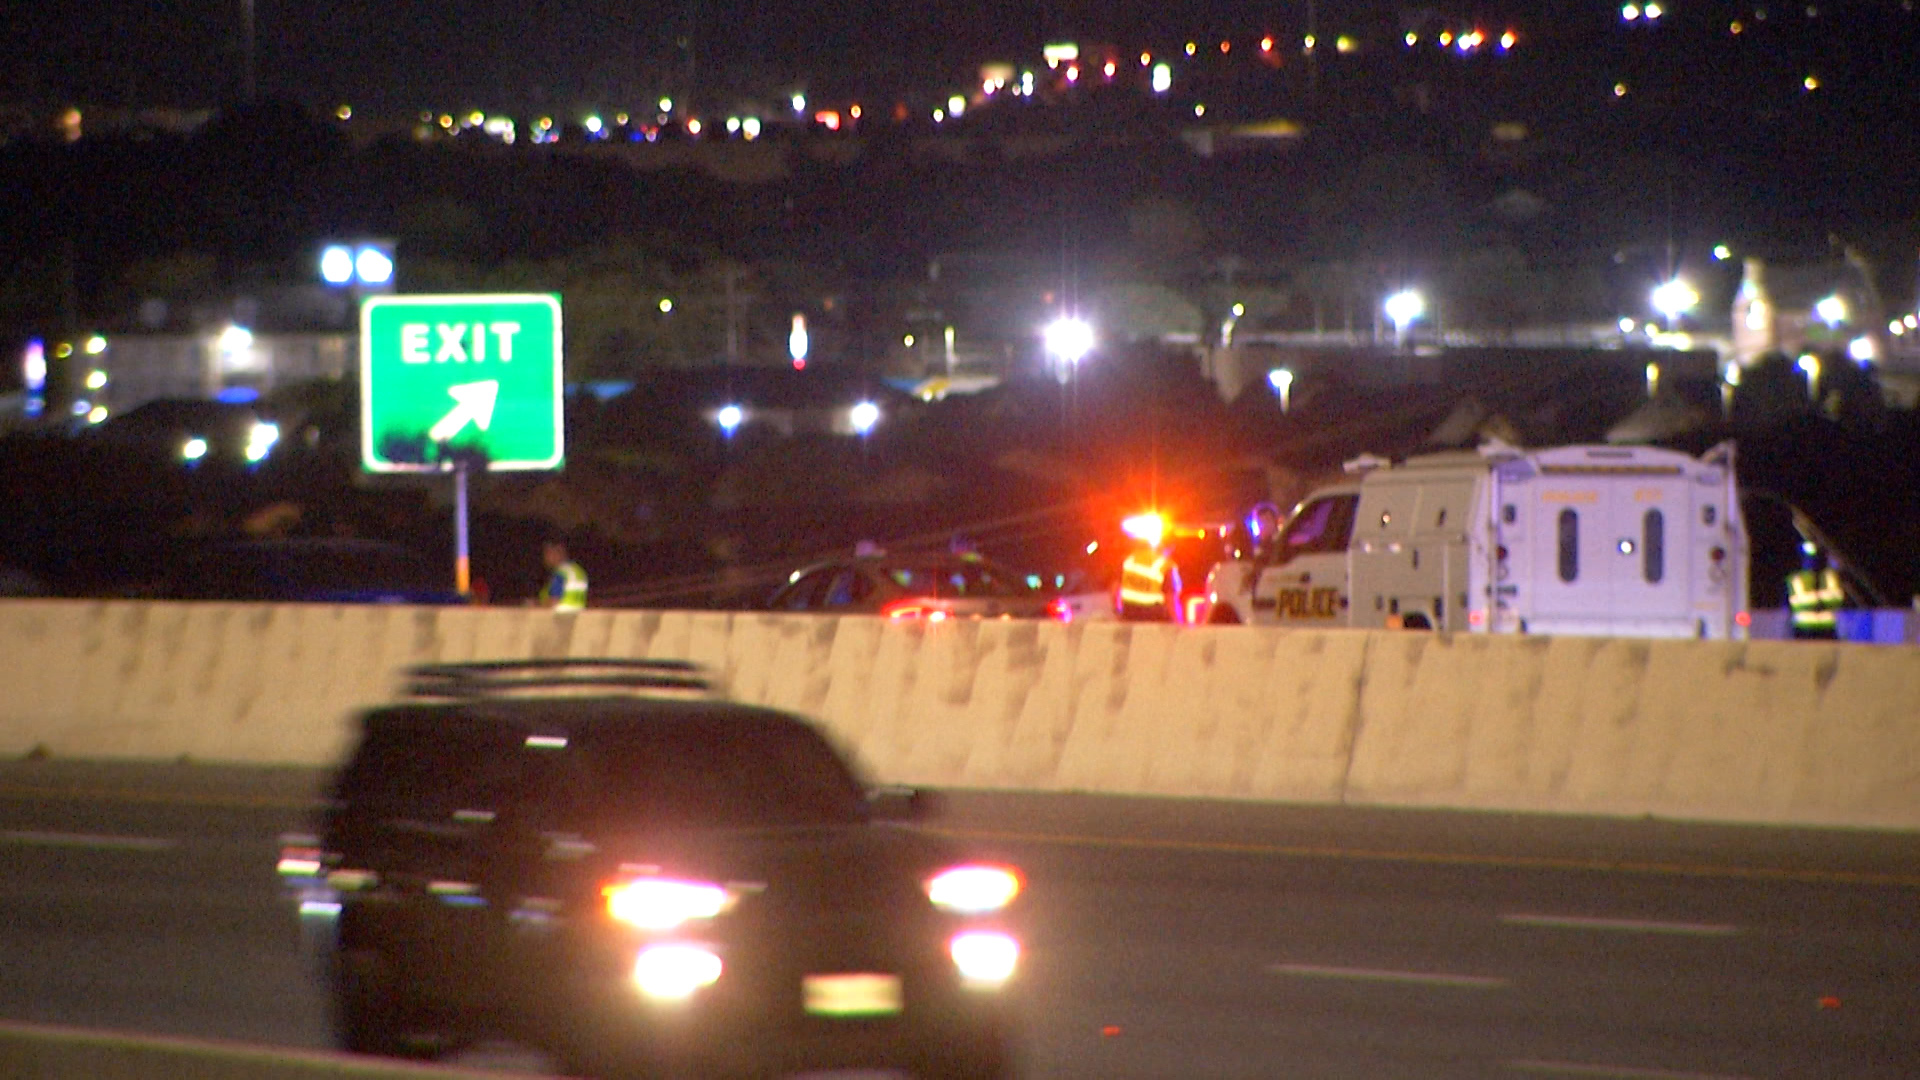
(986, 958)
(675, 972)
(974, 890)
(664, 903)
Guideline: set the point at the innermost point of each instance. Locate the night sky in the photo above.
(403, 54)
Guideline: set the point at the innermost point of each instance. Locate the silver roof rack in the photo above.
(494, 678)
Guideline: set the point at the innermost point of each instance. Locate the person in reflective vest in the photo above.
(1145, 578)
(566, 589)
(1814, 598)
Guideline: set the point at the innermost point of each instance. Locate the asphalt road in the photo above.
(1167, 939)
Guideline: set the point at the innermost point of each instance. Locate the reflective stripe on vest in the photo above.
(1143, 583)
(1813, 597)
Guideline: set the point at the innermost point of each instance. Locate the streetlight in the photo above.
(1070, 340)
(1674, 299)
(863, 417)
(1281, 380)
(1404, 307)
(729, 418)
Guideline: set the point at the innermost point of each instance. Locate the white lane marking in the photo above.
(1615, 1072)
(1631, 926)
(89, 840)
(1416, 978)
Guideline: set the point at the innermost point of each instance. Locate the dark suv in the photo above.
(606, 862)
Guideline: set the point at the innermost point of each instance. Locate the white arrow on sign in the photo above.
(473, 402)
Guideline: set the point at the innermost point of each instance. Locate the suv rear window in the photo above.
(719, 772)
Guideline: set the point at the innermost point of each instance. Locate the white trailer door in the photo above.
(1611, 554)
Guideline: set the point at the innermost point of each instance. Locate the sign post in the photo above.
(453, 383)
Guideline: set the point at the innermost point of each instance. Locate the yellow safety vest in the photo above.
(1143, 580)
(567, 589)
(1813, 596)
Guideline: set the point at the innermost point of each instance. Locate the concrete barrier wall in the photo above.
(1786, 732)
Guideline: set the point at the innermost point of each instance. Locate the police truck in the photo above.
(1598, 540)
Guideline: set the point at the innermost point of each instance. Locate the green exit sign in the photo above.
(449, 379)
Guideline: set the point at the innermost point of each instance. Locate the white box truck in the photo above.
(1611, 540)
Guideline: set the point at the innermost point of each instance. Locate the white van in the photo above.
(1615, 540)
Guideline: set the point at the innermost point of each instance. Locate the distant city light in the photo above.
(733, 125)
(1344, 44)
(1109, 68)
(863, 417)
(97, 414)
(750, 128)
(1619, 89)
(729, 418)
(797, 340)
(1653, 12)
(1199, 110)
(96, 379)
(344, 112)
(1404, 307)
(1627, 325)
(666, 305)
(956, 105)
(1266, 44)
(1811, 82)
(476, 118)
(1508, 40)
(1059, 53)
(1162, 78)
(336, 265)
(594, 125)
(799, 103)
(1192, 48)
(939, 116)
(666, 104)
(694, 126)
(1412, 39)
(1674, 299)
(96, 345)
(1281, 380)
(1146, 59)
(1721, 253)
(194, 449)
(1073, 72)
(1861, 350)
(261, 439)
(1832, 310)
(1309, 42)
(1630, 12)
(1239, 310)
(235, 338)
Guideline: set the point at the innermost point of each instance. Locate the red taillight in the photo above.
(1743, 618)
(1058, 608)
